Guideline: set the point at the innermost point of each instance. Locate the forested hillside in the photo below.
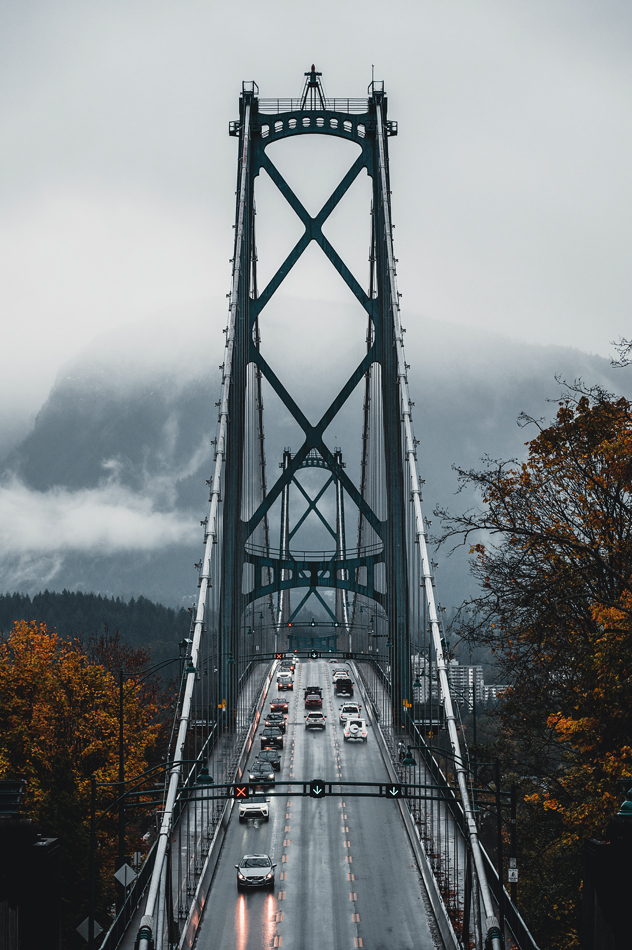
(140, 622)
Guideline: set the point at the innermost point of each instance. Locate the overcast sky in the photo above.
(511, 172)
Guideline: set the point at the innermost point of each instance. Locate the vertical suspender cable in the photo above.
(145, 934)
(472, 832)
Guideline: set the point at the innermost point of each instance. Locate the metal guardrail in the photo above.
(122, 921)
(513, 920)
(276, 106)
(350, 553)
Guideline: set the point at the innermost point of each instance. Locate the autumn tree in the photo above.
(58, 726)
(552, 546)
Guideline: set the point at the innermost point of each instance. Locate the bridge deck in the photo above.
(346, 875)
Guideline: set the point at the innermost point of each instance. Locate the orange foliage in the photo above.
(58, 726)
(556, 608)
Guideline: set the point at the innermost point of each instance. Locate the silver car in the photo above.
(255, 870)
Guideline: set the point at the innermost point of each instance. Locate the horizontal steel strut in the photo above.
(460, 766)
(363, 122)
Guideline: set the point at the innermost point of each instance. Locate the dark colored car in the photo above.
(313, 689)
(279, 705)
(272, 736)
(284, 680)
(272, 757)
(261, 773)
(344, 687)
(275, 719)
(313, 700)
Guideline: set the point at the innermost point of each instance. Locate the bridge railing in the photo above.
(196, 814)
(276, 106)
(439, 817)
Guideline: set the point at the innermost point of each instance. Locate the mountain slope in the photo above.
(107, 491)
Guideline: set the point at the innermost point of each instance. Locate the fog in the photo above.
(108, 491)
(511, 186)
(511, 199)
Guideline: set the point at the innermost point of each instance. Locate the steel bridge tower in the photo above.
(365, 122)
(386, 578)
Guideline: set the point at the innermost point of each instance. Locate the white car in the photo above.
(255, 870)
(349, 709)
(340, 673)
(254, 807)
(315, 720)
(355, 729)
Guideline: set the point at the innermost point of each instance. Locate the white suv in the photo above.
(355, 729)
(254, 807)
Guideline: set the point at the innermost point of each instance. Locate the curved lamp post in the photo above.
(203, 781)
(139, 677)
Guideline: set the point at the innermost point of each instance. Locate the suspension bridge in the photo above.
(317, 555)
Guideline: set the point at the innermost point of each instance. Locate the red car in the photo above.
(313, 701)
(279, 705)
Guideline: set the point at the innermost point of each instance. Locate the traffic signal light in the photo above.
(317, 788)
(313, 622)
(314, 654)
(241, 791)
(393, 791)
(279, 656)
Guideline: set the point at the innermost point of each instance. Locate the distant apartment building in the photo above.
(492, 693)
(467, 683)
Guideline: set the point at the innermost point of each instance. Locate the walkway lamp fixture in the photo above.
(138, 678)
(202, 782)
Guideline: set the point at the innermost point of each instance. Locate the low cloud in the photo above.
(104, 520)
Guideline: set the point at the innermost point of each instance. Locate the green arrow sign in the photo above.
(317, 788)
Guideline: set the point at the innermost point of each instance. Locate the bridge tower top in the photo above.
(313, 96)
(381, 589)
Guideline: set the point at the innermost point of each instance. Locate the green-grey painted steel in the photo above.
(288, 572)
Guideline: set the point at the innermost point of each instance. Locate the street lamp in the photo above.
(203, 781)
(121, 764)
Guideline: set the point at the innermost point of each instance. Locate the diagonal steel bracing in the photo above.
(283, 571)
(239, 566)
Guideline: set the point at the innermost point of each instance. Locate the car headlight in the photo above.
(268, 876)
(241, 876)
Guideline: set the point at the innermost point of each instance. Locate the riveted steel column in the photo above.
(395, 534)
(231, 605)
